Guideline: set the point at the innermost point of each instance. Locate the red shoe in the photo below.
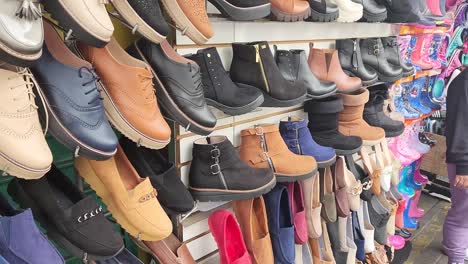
(399, 222)
(296, 198)
(228, 236)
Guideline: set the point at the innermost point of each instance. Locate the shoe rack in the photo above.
(193, 228)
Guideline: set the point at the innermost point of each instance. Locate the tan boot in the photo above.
(351, 122)
(263, 147)
(290, 10)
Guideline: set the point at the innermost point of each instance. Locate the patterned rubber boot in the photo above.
(400, 104)
(413, 141)
(426, 92)
(434, 51)
(410, 182)
(392, 145)
(409, 222)
(403, 188)
(418, 176)
(414, 210)
(413, 93)
(419, 56)
(443, 50)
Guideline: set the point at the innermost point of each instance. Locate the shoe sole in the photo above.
(172, 110)
(59, 12)
(349, 17)
(219, 195)
(241, 13)
(273, 102)
(233, 111)
(327, 163)
(309, 96)
(320, 17)
(279, 15)
(135, 21)
(120, 122)
(408, 73)
(388, 79)
(292, 178)
(23, 199)
(364, 83)
(344, 152)
(350, 90)
(15, 58)
(14, 168)
(87, 173)
(373, 18)
(66, 138)
(394, 134)
(183, 22)
(371, 143)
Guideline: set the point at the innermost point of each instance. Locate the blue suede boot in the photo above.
(297, 136)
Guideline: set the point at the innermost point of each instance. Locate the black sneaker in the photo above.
(172, 193)
(145, 17)
(220, 91)
(72, 219)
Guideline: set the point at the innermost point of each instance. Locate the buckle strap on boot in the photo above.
(259, 130)
(264, 157)
(215, 168)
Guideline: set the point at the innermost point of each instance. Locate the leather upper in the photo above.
(21, 135)
(20, 34)
(195, 11)
(150, 12)
(294, 68)
(181, 78)
(90, 15)
(70, 87)
(373, 55)
(129, 84)
(349, 53)
(393, 56)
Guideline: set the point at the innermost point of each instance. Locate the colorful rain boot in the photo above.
(399, 222)
(414, 210)
(442, 56)
(403, 188)
(434, 7)
(437, 92)
(413, 140)
(419, 56)
(425, 94)
(456, 41)
(434, 51)
(454, 63)
(392, 145)
(418, 177)
(414, 95)
(410, 182)
(460, 16)
(405, 48)
(404, 147)
(409, 222)
(400, 104)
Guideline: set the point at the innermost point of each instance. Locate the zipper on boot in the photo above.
(297, 141)
(264, 146)
(258, 59)
(354, 59)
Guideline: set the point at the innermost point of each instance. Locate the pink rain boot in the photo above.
(399, 222)
(434, 7)
(392, 145)
(443, 50)
(404, 147)
(417, 173)
(420, 55)
(414, 211)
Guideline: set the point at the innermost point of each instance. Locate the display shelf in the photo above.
(415, 30)
(427, 73)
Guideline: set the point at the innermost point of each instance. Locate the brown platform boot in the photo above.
(327, 68)
(263, 147)
(351, 122)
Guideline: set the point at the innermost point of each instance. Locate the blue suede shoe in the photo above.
(408, 222)
(280, 224)
(414, 95)
(299, 140)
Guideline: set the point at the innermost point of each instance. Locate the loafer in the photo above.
(127, 89)
(228, 236)
(172, 193)
(327, 196)
(21, 33)
(313, 206)
(296, 198)
(359, 239)
(87, 20)
(252, 217)
(72, 100)
(24, 152)
(28, 244)
(280, 224)
(131, 199)
(178, 84)
(168, 250)
(353, 188)
(72, 219)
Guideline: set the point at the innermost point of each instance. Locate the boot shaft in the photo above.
(353, 106)
(405, 48)
(391, 49)
(349, 53)
(323, 114)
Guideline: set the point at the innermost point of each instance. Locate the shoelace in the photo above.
(148, 87)
(197, 78)
(94, 78)
(29, 82)
(29, 9)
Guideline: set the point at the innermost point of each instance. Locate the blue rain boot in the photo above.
(408, 222)
(401, 105)
(425, 95)
(297, 136)
(434, 50)
(414, 95)
(403, 188)
(410, 182)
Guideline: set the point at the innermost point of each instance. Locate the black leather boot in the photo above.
(172, 193)
(392, 52)
(399, 11)
(218, 174)
(220, 91)
(322, 11)
(294, 68)
(375, 116)
(323, 125)
(373, 56)
(178, 85)
(350, 56)
(373, 12)
(243, 9)
(253, 64)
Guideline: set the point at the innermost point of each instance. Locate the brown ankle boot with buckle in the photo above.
(263, 147)
(351, 122)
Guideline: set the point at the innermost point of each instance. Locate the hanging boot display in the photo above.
(349, 52)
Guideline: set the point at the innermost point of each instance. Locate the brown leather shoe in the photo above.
(311, 188)
(252, 217)
(263, 147)
(327, 68)
(191, 18)
(167, 251)
(129, 97)
(290, 10)
(351, 122)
